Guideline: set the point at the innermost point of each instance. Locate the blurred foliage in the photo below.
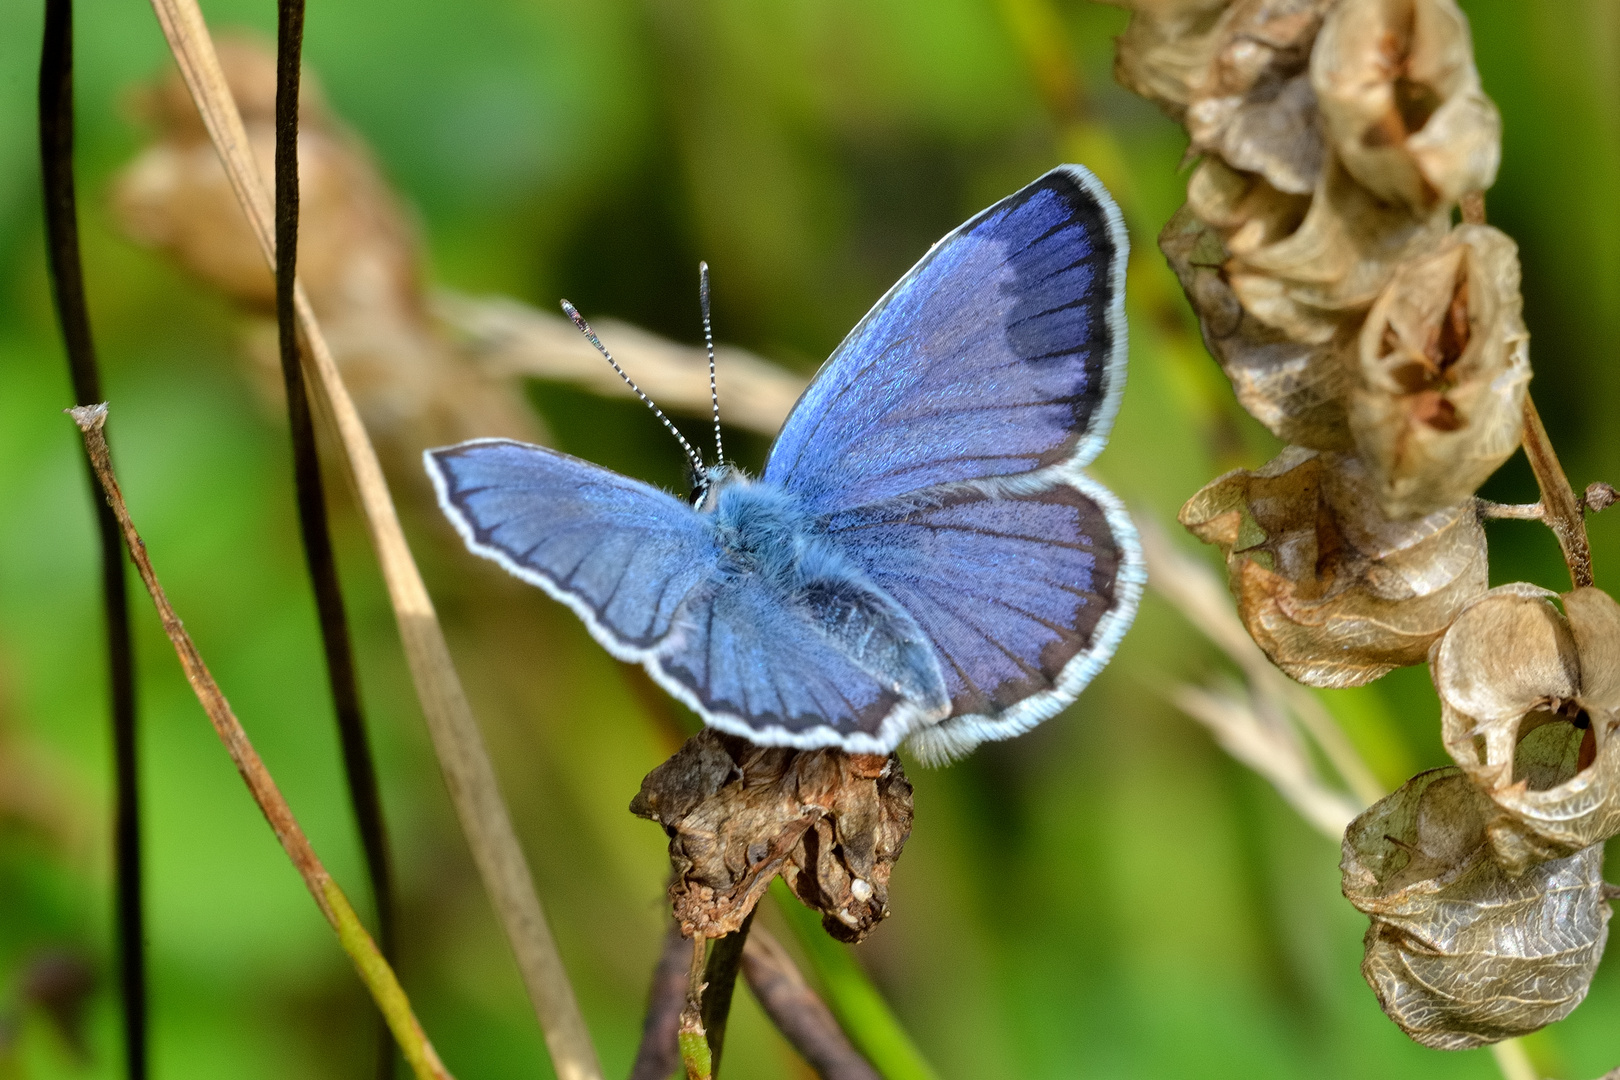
(1108, 896)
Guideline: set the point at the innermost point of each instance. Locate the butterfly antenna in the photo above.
(590, 335)
(708, 340)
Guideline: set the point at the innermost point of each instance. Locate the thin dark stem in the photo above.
(720, 979)
(72, 311)
(312, 519)
(658, 1055)
(796, 1010)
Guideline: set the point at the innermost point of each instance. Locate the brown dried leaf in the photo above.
(1255, 105)
(358, 257)
(1402, 103)
(832, 824)
(1459, 952)
(1335, 593)
(1296, 390)
(1443, 365)
(1530, 701)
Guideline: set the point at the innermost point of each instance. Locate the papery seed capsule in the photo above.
(1530, 709)
(1402, 102)
(1460, 952)
(1335, 593)
(1442, 367)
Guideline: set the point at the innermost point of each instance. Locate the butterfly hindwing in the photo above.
(1002, 352)
(1023, 591)
(623, 554)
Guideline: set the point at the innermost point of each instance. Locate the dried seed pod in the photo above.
(1335, 593)
(1166, 49)
(1530, 704)
(1297, 390)
(1402, 103)
(831, 823)
(1460, 952)
(1255, 106)
(1443, 365)
(1309, 281)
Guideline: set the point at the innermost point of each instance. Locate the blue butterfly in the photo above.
(923, 560)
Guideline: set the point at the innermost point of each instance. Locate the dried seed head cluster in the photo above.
(831, 823)
(1386, 345)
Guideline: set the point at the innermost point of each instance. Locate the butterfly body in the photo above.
(922, 560)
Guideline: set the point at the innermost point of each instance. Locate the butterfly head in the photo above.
(707, 484)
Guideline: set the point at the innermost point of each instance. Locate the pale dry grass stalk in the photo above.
(468, 772)
(511, 339)
(374, 970)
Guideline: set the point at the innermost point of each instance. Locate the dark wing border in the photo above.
(1101, 422)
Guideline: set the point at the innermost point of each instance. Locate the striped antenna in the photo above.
(590, 335)
(708, 340)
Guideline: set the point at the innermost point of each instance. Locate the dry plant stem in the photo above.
(799, 1013)
(72, 310)
(720, 985)
(1511, 511)
(358, 766)
(1512, 1060)
(690, 1037)
(468, 773)
(374, 970)
(657, 1055)
(1562, 508)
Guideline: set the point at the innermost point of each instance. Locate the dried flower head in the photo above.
(1530, 700)
(1298, 390)
(1166, 49)
(1255, 106)
(1443, 365)
(831, 823)
(1459, 951)
(1402, 102)
(1335, 593)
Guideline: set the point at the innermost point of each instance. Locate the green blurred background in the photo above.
(1109, 896)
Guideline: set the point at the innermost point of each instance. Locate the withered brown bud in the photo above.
(1335, 593)
(1443, 364)
(1308, 281)
(1530, 703)
(1298, 390)
(1460, 952)
(831, 823)
(1166, 49)
(1402, 102)
(1255, 106)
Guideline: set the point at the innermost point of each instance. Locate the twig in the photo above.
(1560, 508)
(374, 970)
(359, 769)
(657, 1055)
(1563, 511)
(464, 759)
(1510, 511)
(720, 985)
(798, 1012)
(73, 313)
(690, 1037)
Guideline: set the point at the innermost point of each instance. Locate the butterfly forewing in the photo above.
(1001, 352)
